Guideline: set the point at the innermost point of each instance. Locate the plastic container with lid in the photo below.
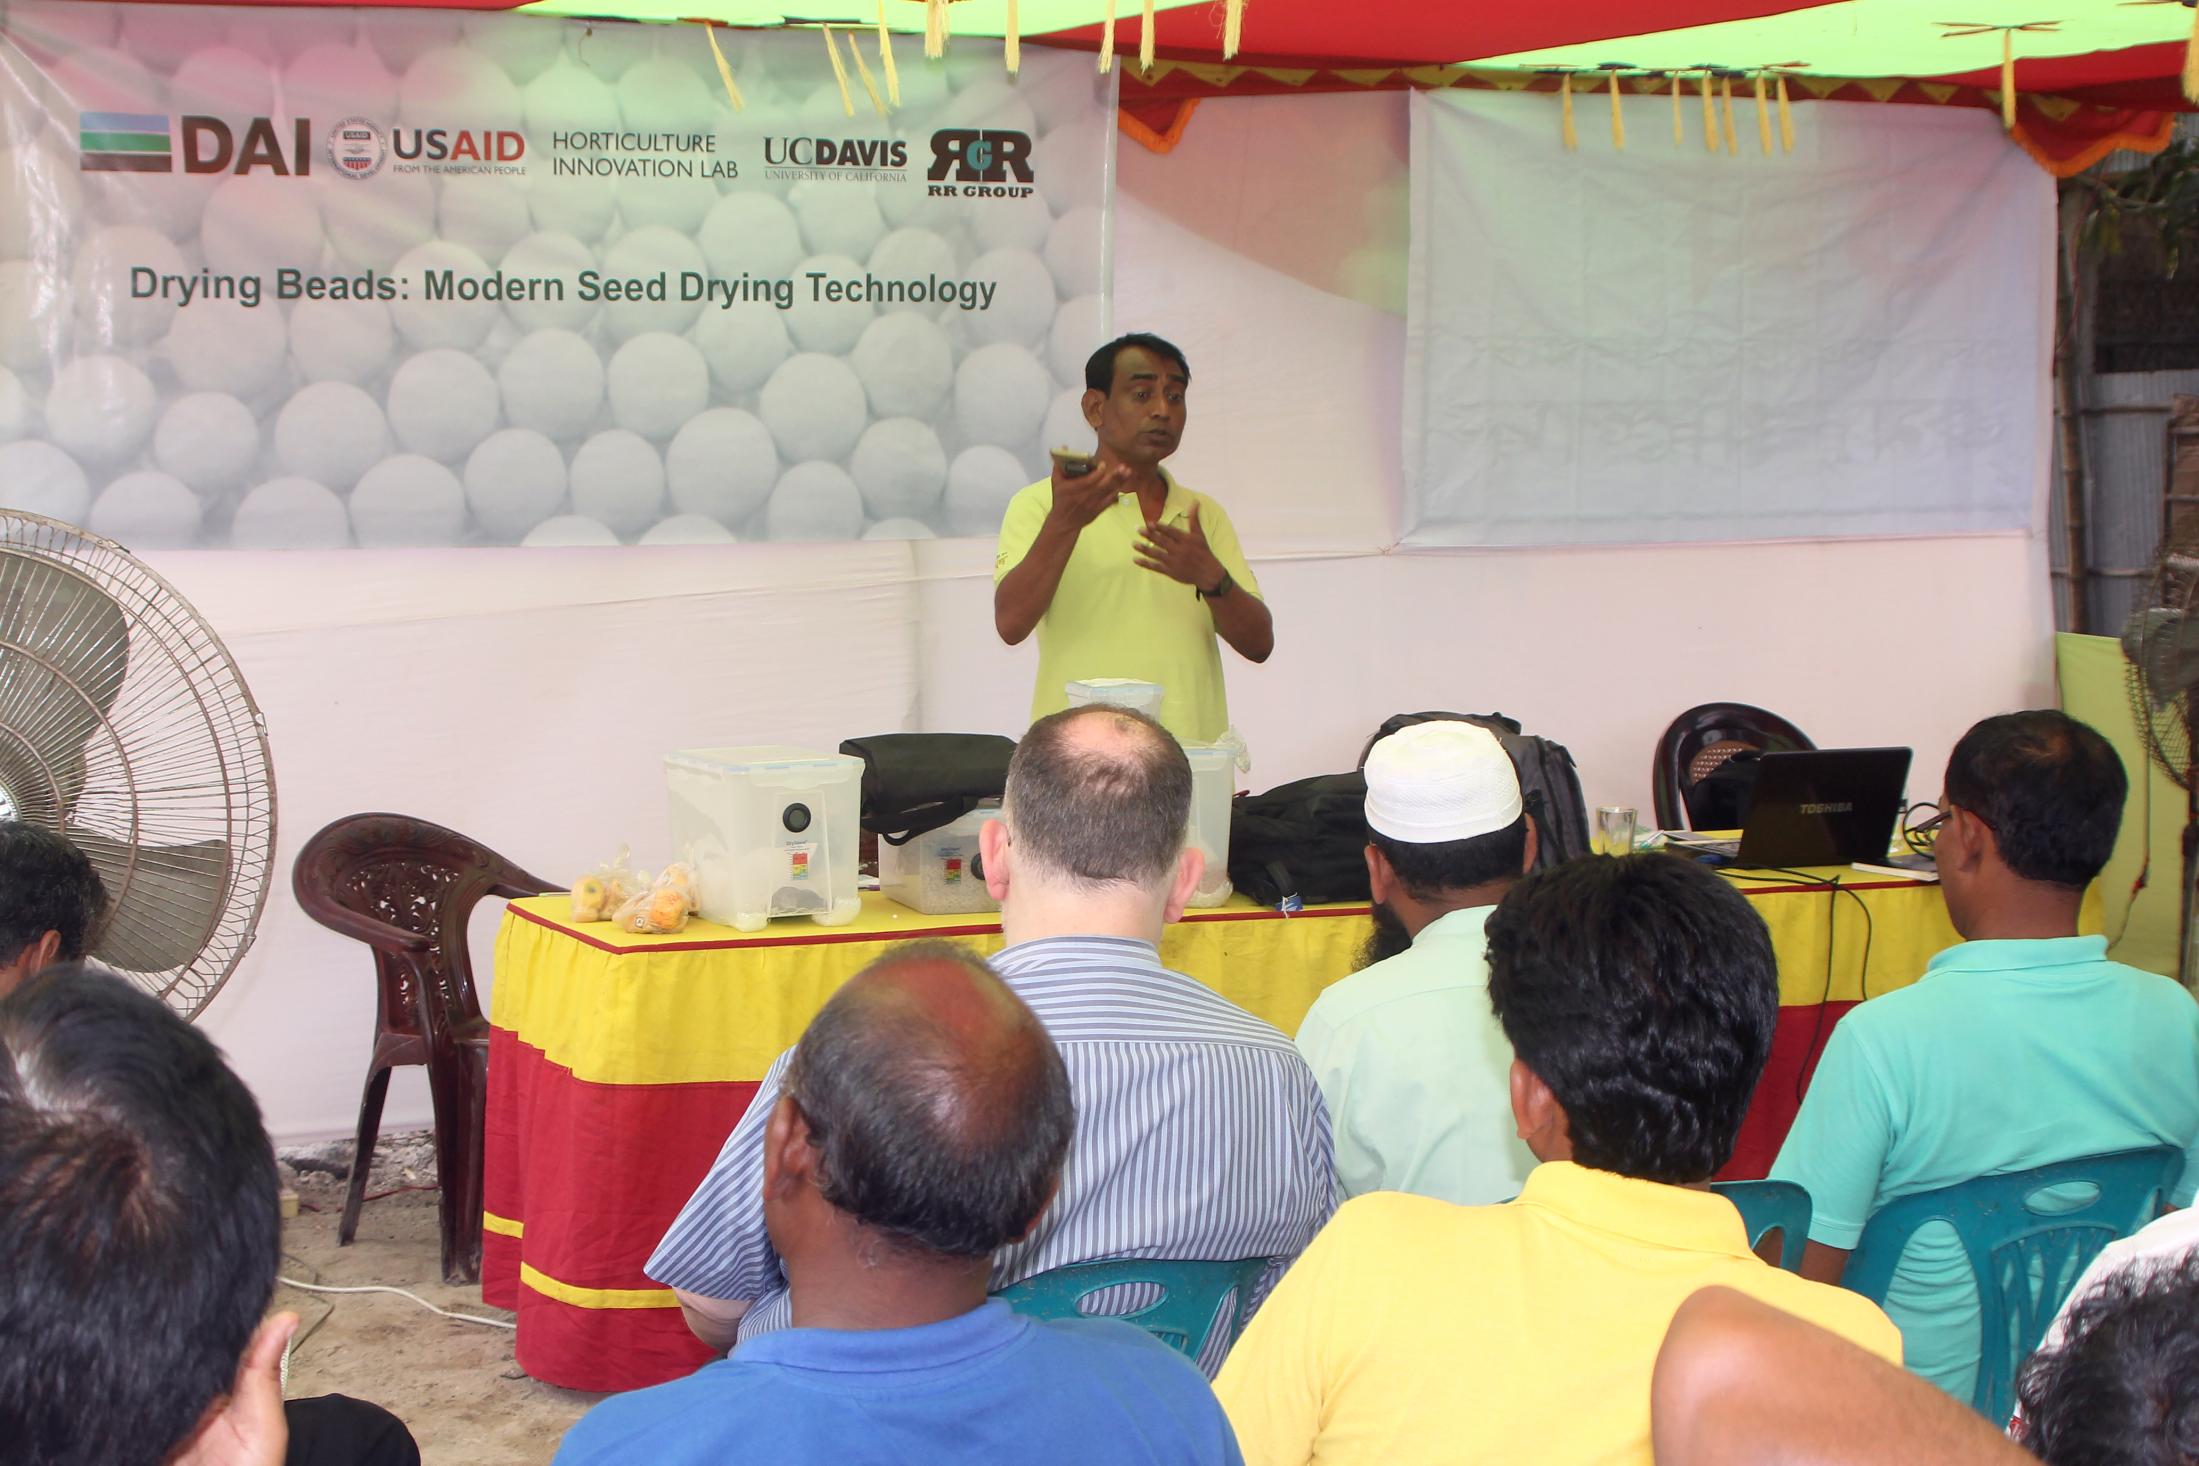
(1122, 692)
(937, 872)
(1213, 785)
(770, 830)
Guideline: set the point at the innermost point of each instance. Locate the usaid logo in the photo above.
(357, 148)
(975, 163)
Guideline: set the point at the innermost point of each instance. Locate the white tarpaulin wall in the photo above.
(1667, 344)
(312, 279)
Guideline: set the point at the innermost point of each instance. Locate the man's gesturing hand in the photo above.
(1078, 501)
(249, 1428)
(1180, 554)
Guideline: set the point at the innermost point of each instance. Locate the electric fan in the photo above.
(125, 726)
(2161, 645)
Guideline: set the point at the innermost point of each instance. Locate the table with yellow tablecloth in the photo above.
(619, 1063)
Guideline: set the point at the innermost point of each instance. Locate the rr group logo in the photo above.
(854, 159)
(979, 163)
(125, 142)
(356, 147)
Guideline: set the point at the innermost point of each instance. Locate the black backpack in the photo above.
(1549, 784)
(913, 783)
(1306, 839)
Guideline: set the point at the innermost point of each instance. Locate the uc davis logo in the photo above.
(980, 162)
(125, 142)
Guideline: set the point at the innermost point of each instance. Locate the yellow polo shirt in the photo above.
(1110, 617)
(1412, 1330)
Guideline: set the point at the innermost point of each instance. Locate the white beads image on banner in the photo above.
(830, 326)
(906, 365)
(618, 478)
(837, 218)
(656, 382)
(290, 514)
(515, 479)
(1066, 426)
(751, 233)
(687, 529)
(408, 500)
(552, 382)
(227, 346)
(23, 109)
(15, 407)
(815, 408)
(569, 532)
(257, 223)
(911, 207)
(405, 36)
(645, 254)
(814, 501)
(426, 324)
(331, 433)
(993, 101)
(556, 256)
(209, 440)
(980, 482)
(100, 410)
(1073, 339)
(106, 308)
(331, 82)
(373, 221)
(98, 79)
(522, 44)
(900, 468)
(569, 97)
(441, 403)
(148, 510)
(281, 33)
(1000, 396)
(38, 478)
(485, 215)
(42, 204)
(1023, 303)
(222, 81)
(924, 86)
(722, 464)
(1012, 224)
(35, 316)
(1063, 164)
(1073, 250)
(159, 30)
(609, 47)
(659, 95)
(912, 254)
(457, 87)
(677, 204)
(899, 529)
(341, 340)
(743, 345)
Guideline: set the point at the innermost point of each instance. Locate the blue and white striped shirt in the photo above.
(1201, 1135)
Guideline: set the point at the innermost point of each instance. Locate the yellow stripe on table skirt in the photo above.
(502, 1226)
(550, 1287)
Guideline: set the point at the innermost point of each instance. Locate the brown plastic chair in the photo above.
(406, 888)
(1697, 744)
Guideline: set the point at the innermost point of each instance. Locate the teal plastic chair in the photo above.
(1772, 1206)
(2026, 1258)
(1184, 1317)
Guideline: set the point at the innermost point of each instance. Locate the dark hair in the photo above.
(1643, 991)
(1427, 871)
(138, 1223)
(46, 885)
(1100, 815)
(1099, 367)
(945, 1144)
(2049, 788)
(2122, 1388)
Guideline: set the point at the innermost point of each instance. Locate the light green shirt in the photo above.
(2005, 1055)
(1416, 1072)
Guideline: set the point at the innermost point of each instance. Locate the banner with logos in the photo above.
(313, 278)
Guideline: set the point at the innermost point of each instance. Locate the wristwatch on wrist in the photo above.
(1221, 588)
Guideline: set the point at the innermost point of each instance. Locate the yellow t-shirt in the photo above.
(1412, 1330)
(1110, 617)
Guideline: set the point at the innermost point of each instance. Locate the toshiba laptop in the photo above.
(1831, 806)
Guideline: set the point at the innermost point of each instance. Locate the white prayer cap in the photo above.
(1435, 782)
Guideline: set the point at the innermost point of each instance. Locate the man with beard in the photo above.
(1411, 1060)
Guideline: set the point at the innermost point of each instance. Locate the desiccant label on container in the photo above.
(798, 857)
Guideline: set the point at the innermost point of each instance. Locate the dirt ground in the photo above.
(454, 1384)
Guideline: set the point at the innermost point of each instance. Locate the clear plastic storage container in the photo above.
(1122, 692)
(1213, 785)
(771, 831)
(937, 872)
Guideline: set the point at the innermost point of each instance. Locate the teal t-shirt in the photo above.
(2005, 1055)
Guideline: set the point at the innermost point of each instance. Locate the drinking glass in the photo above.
(1615, 830)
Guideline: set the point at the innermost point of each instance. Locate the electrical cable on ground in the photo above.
(493, 1323)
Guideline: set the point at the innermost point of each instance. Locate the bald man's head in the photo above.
(936, 1103)
(1101, 795)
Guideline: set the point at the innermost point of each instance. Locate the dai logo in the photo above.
(980, 164)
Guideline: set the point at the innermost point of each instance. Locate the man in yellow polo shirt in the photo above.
(1122, 571)
(1639, 994)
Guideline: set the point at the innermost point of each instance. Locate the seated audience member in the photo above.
(1639, 994)
(1412, 1063)
(140, 1228)
(919, 1128)
(2117, 1384)
(2021, 1046)
(51, 901)
(1200, 1131)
